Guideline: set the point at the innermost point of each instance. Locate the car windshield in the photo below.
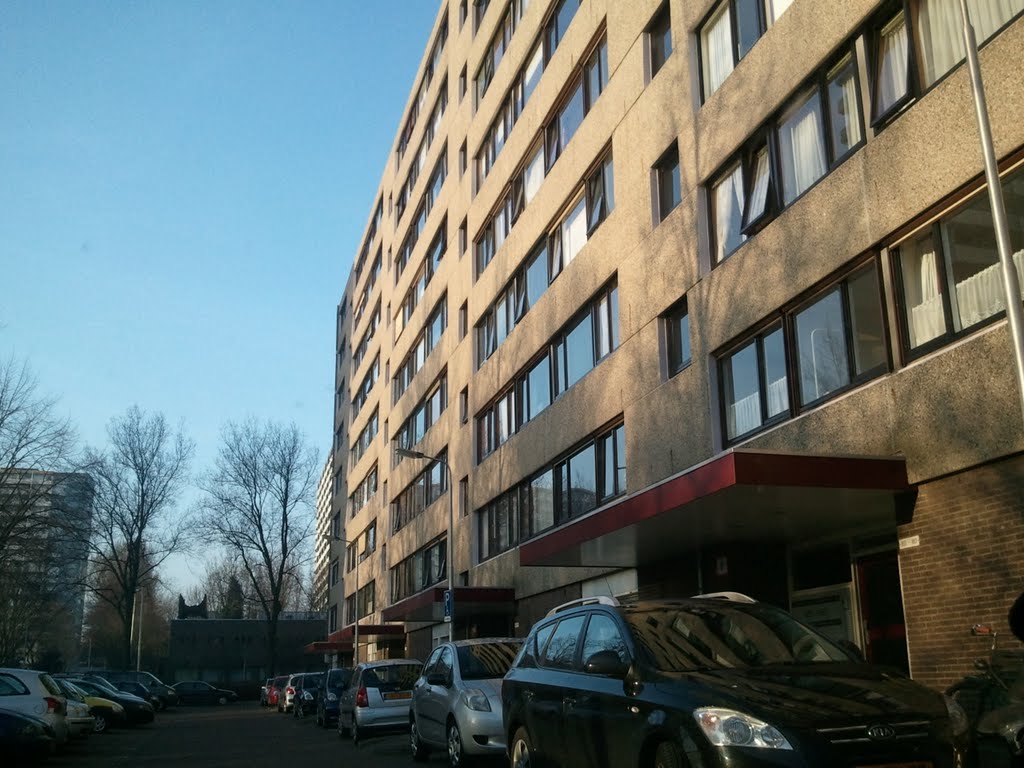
(687, 638)
(486, 661)
(393, 677)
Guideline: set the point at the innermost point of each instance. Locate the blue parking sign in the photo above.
(448, 605)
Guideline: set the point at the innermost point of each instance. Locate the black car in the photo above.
(714, 683)
(24, 737)
(327, 702)
(307, 693)
(136, 711)
(138, 689)
(161, 695)
(198, 692)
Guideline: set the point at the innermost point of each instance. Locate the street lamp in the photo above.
(355, 570)
(410, 454)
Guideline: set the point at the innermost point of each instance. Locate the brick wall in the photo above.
(967, 569)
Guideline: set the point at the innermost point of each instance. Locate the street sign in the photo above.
(449, 605)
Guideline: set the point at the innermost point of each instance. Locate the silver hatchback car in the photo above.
(377, 697)
(456, 702)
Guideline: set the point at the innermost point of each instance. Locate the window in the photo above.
(591, 335)
(464, 496)
(659, 36)
(561, 650)
(677, 338)
(422, 569)
(365, 387)
(332, 622)
(464, 405)
(462, 13)
(365, 438)
(580, 99)
(905, 68)
(667, 176)
(825, 344)
(593, 473)
(499, 44)
(812, 135)
(462, 159)
(367, 599)
(421, 94)
(428, 486)
(479, 9)
(424, 416)
(463, 239)
(572, 233)
(726, 37)
(428, 338)
(462, 84)
(364, 492)
(950, 275)
(431, 263)
(603, 635)
(335, 571)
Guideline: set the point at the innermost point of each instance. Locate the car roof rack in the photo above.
(595, 600)
(735, 597)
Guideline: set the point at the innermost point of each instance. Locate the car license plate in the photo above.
(408, 695)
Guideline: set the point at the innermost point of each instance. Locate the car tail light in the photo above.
(54, 706)
(362, 700)
(290, 690)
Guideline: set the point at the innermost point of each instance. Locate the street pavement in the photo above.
(232, 737)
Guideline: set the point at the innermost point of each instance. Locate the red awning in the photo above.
(738, 496)
(367, 631)
(428, 605)
(326, 646)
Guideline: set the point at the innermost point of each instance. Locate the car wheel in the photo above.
(99, 723)
(522, 749)
(419, 752)
(456, 754)
(668, 756)
(222, 700)
(355, 732)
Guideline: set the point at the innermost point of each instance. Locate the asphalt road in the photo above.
(232, 737)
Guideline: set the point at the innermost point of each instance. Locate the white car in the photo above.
(35, 693)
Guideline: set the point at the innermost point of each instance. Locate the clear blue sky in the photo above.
(183, 185)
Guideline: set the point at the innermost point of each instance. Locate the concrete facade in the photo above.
(947, 411)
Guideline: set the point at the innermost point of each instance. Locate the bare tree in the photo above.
(258, 504)
(138, 481)
(38, 532)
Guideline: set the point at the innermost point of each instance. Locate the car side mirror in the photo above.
(606, 663)
(438, 678)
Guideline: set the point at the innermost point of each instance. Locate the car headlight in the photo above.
(476, 700)
(957, 717)
(729, 728)
(331, 696)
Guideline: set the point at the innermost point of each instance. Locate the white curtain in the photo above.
(717, 49)
(728, 212)
(940, 30)
(927, 320)
(744, 415)
(778, 397)
(776, 8)
(982, 295)
(534, 174)
(891, 83)
(534, 69)
(803, 151)
(759, 192)
(574, 233)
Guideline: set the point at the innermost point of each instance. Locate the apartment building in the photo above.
(685, 297)
(322, 562)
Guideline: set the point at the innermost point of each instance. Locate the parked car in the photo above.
(165, 695)
(275, 691)
(137, 711)
(138, 689)
(265, 691)
(80, 720)
(713, 682)
(286, 700)
(456, 702)
(335, 682)
(307, 693)
(35, 693)
(104, 712)
(377, 698)
(25, 738)
(198, 692)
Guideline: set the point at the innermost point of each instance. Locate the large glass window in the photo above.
(677, 338)
(659, 35)
(754, 383)
(727, 35)
(592, 474)
(951, 277)
(428, 486)
(666, 173)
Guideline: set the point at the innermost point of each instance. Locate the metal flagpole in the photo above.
(1011, 283)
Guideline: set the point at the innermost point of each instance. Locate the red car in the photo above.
(275, 689)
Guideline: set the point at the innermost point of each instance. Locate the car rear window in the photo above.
(485, 661)
(50, 684)
(339, 678)
(393, 677)
(11, 686)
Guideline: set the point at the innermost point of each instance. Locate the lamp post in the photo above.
(409, 454)
(355, 571)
